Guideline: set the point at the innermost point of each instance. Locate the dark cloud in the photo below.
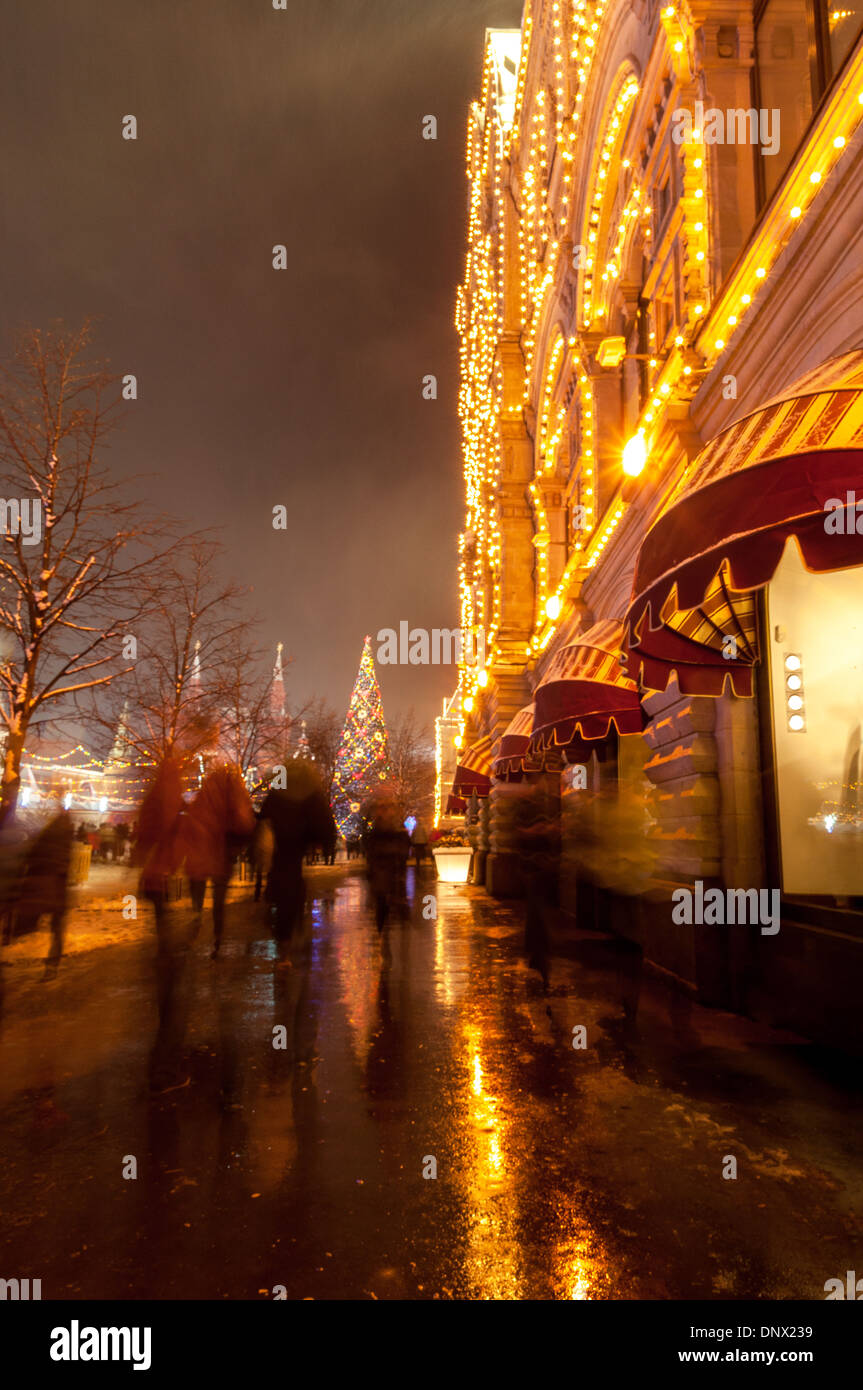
(259, 127)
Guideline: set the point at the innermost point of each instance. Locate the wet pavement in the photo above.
(561, 1172)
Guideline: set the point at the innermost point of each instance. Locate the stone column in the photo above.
(515, 519)
(725, 51)
(480, 840)
(607, 434)
(509, 689)
(554, 504)
(510, 692)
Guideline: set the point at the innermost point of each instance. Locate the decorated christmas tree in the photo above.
(361, 764)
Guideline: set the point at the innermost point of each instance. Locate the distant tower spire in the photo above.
(277, 689)
(196, 665)
(120, 750)
(303, 742)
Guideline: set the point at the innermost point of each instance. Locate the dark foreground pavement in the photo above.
(561, 1173)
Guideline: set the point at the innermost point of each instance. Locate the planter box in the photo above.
(79, 864)
(453, 865)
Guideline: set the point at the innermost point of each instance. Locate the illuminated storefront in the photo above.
(661, 385)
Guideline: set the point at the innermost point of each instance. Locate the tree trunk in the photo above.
(12, 772)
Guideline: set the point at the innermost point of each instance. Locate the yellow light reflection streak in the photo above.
(492, 1257)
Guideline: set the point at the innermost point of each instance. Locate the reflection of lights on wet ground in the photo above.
(492, 1259)
(484, 1112)
(358, 957)
(494, 1169)
(580, 1268)
(450, 967)
(495, 1157)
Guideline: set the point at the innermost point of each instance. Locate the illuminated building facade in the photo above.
(661, 325)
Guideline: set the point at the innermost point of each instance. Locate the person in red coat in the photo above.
(158, 842)
(220, 822)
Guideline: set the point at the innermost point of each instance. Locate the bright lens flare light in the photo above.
(635, 455)
(552, 607)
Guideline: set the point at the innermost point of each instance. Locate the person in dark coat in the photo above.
(329, 845)
(420, 843)
(261, 853)
(387, 846)
(46, 882)
(122, 839)
(300, 816)
(107, 841)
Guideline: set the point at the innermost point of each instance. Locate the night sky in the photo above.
(256, 387)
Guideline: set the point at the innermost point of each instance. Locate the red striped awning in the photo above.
(513, 746)
(764, 480)
(584, 693)
(455, 806)
(473, 773)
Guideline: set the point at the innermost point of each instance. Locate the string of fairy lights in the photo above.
(78, 764)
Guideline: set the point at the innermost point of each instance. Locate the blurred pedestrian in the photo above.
(262, 853)
(219, 824)
(122, 831)
(107, 841)
(329, 845)
(46, 881)
(158, 846)
(420, 842)
(387, 845)
(300, 816)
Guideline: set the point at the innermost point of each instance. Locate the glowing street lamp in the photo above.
(634, 455)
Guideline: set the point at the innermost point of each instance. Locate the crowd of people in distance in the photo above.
(203, 839)
(109, 843)
(294, 825)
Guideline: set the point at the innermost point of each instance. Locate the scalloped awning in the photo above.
(513, 746)
(759, 483)
(473, 773)
(585, 693)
